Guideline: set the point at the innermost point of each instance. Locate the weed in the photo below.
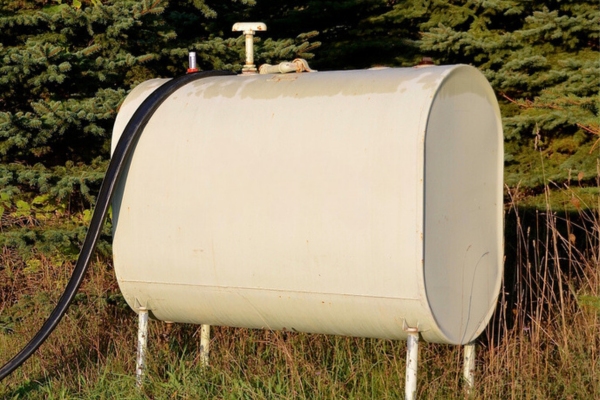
(542, 342)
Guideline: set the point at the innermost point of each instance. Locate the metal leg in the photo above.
(469, 366)
(141, 350)
(412, 359)
(204, 344)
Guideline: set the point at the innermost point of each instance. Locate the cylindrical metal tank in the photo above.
(356, 203)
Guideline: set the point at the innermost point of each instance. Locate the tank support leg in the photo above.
(204, 344)
(469, 366)
(141, 349)
(412, 359)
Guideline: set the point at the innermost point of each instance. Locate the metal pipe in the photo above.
(249, 28)
(192, 63)
(412, 361)
(250, 49)
(204, 344)
(281, 68)
(142, 343)
(298, 65)
(469, 366)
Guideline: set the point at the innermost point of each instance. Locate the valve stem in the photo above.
(192, 63)
(249, 28)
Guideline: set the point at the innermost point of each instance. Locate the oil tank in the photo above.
(353, 203)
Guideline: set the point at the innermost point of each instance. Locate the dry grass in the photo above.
(542, 343)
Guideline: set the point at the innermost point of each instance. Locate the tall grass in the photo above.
(542, 343)
(544, 340)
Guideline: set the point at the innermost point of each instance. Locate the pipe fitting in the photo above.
(192, 63)
(249, 28)
(298, 65)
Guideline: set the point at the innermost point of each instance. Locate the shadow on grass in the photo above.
(27, 389)
(547, 257)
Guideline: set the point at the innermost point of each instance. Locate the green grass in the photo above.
(542, 343)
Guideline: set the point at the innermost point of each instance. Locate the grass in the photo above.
(542, 343)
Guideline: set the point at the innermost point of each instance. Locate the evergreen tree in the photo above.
(351, 32)
(542, 58)
(65, 67)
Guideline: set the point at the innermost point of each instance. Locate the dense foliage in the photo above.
(542, 58)
(66, 66)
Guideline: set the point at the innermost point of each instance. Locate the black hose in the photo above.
(119, 158)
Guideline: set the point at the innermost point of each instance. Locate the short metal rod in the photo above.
(249, 49)
(469, 367)
(412, 363)
(204, 344)
(141, 349)
(192, 66)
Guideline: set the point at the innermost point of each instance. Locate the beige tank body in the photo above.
(354, 203)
